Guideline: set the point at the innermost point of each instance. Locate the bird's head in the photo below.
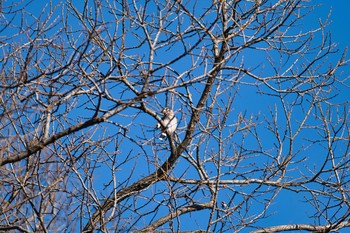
(167, 111)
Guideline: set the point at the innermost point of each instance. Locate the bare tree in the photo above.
(260, 117)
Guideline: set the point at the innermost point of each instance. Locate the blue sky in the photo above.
(340, 18)
(288, 210)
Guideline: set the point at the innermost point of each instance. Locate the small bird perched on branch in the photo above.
(169, 123)
(223, 205)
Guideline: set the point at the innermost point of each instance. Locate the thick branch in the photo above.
(177, 213)
(169, 163)
(301, 227)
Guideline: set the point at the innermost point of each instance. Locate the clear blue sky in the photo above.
(340, 30)
(340, 17)
(288, 209)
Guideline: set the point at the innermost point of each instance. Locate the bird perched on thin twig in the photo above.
(223, 205)
(169, 123)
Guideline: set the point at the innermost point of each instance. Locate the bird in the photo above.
(223, 205)
(169, 123)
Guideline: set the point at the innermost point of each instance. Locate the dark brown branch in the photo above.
(169, 163)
